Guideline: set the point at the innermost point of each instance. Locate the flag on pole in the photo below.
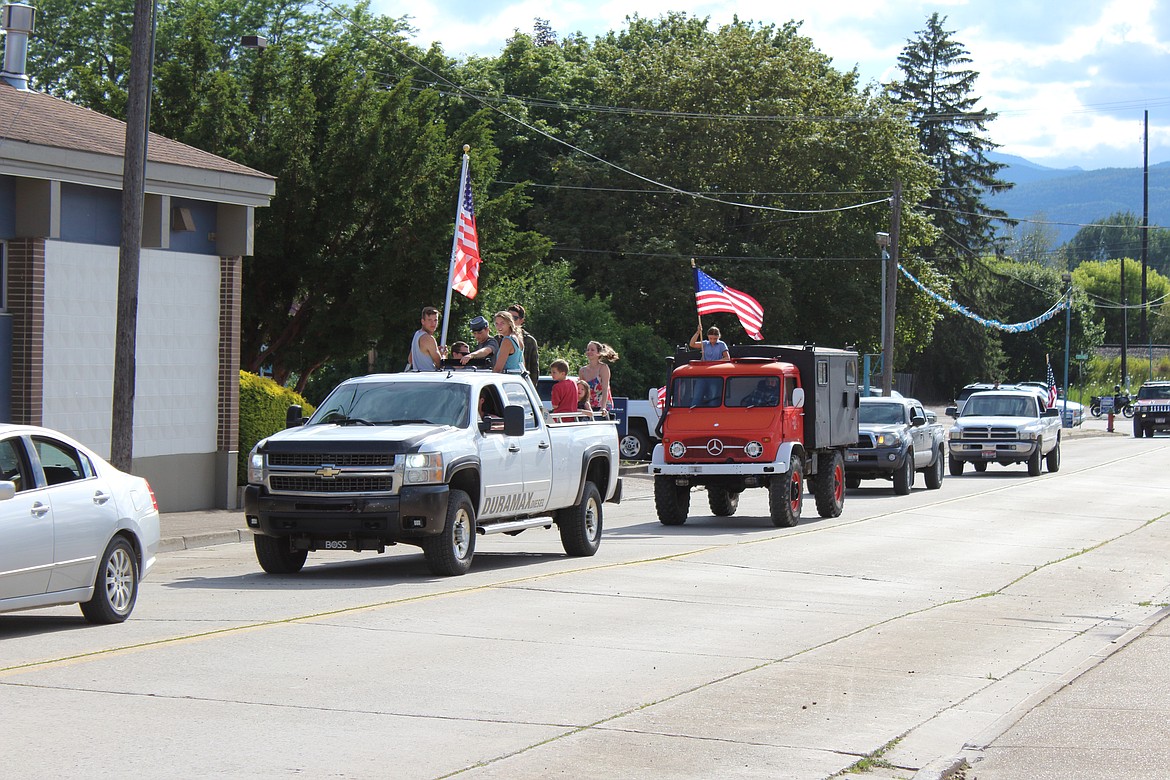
(712, 296)
(465, 256)
(1051, 384)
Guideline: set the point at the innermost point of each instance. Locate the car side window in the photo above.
(517, 395)
(60, 462)
(14, 465)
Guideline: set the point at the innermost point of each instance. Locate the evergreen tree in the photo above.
(937, 91)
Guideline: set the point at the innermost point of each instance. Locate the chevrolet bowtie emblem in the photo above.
(327, 472)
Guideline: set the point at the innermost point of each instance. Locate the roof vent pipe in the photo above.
(17, 21)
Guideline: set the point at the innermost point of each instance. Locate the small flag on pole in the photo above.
(1051, 384)
(465, 260)
(713, 296)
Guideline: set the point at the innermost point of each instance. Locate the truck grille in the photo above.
(1155, 408)
(314, 484)
(359, 459)
(991, 433)
(864, 441)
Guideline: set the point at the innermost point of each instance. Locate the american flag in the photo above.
(465, 271)
(660, 397)
(1051, 384)
(712, 296)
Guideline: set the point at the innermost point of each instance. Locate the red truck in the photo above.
(771, 417)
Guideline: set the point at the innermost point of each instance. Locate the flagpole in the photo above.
(695, 276)
(454, 243)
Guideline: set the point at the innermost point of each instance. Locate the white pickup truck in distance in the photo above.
(1004, 426)
(430, 459)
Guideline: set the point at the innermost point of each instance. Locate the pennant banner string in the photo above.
(958, 308)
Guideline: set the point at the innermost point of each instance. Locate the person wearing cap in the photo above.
(486, 345)
(531, 361)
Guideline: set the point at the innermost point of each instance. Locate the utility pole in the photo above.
(133, 194)
(1145, 225)
(891, 290)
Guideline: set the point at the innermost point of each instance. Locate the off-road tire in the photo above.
(934, 475)
(904, 475)
(723, 502)
(1052, 459)
(1034, 462)
(449, 553)
(671, 501)
(580, 525)
(829, 485)
(115, 588)
(276, 555)
(783, 505)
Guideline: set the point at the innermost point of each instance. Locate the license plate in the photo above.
(335, 545)
(989, 452)
(850, 457)
(1159, 420)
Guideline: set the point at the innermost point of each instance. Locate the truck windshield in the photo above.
(696, 392)
(1154, 393)
(998, 406)
(881, 414)
(395, 403)
(752, 391)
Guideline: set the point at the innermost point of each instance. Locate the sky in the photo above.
(1070, 79)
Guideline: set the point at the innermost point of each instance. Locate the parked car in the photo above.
(73, 529)
(1152, 409)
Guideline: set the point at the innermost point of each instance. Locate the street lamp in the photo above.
(1066, 277)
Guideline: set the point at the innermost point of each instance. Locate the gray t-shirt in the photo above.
(419, 359)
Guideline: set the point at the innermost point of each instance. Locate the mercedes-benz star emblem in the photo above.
(714, 447)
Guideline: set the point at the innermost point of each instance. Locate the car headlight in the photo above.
(880, 440)
(677, 449)
(1029, 435)
(255, 467)
(753, 449)
(423, 468)
(955, 433)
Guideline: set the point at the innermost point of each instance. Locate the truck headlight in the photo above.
(1028, 435)
(955, 433)
(255, 467)
(753, 449)
(677, 449)
(880, 440)
(423, 468)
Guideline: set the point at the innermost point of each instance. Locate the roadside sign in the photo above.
(1107, 404)
(1082, 356)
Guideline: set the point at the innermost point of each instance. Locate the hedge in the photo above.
(263, 407)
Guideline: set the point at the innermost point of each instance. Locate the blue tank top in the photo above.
(514, 363)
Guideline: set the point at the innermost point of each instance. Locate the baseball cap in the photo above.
(479, 323)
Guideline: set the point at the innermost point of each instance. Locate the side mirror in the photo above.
(1053, 412)
(952, 411)
(798, 397)
(514, 420)
(7, 489)
(293, 417)
(918, 421)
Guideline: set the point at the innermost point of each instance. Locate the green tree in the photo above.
(1120, 235)
(1101, 281)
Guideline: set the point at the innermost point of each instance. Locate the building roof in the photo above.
(36, 118)
(43, 137)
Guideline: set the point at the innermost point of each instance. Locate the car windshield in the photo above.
(696, 392)
(396, 403)
(881, 414)
(998, 406)
(1154, 393)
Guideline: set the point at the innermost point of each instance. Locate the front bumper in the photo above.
(969, 450)
(877, 463)
(415, 513)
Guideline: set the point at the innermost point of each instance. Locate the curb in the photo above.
(210, 539)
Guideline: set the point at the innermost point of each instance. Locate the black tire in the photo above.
(980, 466)
(786, 496)
(829, 486)
(1138, 429)
(635, 445)
(1127, 410)
(115, 588)
(1052, 459)
(1095, 410)
(1149, 431)
(671, 501)
(723, 502)
(955, 466)
(1034, 462)
(449, 554)
(852, 482)
(276, 555)
(580, 525)
(934, 474)
(904, 475)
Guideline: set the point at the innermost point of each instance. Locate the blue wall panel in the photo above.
(7, 206)
(91, 215)
(204, 214)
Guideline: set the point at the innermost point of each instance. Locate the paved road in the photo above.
(722, 648)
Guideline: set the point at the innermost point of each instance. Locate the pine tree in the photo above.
(937, 92)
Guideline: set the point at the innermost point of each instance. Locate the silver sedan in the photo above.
(73, 529)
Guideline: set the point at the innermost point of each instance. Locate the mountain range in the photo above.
(1072, 197)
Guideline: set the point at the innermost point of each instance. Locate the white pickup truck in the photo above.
(430, 459)
(1004, 426)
